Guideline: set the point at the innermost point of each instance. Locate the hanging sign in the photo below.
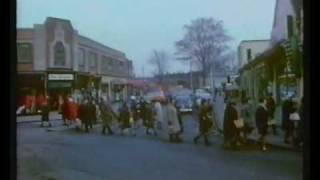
(60, 77)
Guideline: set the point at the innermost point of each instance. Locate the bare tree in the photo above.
(159, 59)
(204, 41)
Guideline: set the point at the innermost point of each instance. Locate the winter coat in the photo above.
(205, 122)
(262, 115)
(106, 114)
(45, 112)
(271, 107)
(158, 112)
(72, 112)
(230, 115)
(82, 113)
(287, 109)
(91, 112)
(172, 119)
(149, 115)
(124, 117)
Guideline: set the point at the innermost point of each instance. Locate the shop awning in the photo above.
(119, 81)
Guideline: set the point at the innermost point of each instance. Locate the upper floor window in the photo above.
(249, 56)
(82, 57)
(104, 64)
(290, 26)
(24, 52)
(59, 54)
(93, 60)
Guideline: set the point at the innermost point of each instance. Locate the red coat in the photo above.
(28, 101)
(40, 100)
(72, 111)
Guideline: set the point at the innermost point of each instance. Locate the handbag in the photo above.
(294, 116)
(271, 122)
(238, 123)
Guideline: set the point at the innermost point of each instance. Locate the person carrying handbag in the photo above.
(262, 116)
(204, 123)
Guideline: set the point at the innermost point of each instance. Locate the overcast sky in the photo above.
(136, 27)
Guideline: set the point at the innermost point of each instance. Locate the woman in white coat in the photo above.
(173, 123)
(159, 114)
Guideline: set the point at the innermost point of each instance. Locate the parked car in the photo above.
(184, 104)
(155, 94)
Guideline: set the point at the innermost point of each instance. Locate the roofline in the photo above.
(254, 40)
(24, 29)
(275, 13)
(105, 46)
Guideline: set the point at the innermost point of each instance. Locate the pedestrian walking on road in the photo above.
(299, 138)
(72, 110)
(83, 114)
(205, 123)
(64, 111)
(271, 106)
(124, 118)
(158, 114)
(150, 119)
(45, 112)
(295, 118)
(287, 125)
(143, 112)
(179, 115)
(245, 114)
(91, 112)
(174, 129)
(135, 113)
(230, 131)
(262, 116)
(106, 116)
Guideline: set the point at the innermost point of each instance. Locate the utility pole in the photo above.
(191, 80)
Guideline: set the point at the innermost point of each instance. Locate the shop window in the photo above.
(59, 54)
(24, 52)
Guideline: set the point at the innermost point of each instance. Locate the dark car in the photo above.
(184, 104)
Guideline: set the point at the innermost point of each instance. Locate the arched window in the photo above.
(59, 54)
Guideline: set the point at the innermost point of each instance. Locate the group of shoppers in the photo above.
(237, 126)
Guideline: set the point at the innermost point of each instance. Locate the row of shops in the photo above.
(56, 84)
(273, 73)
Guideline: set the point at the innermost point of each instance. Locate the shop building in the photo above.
(53, 58)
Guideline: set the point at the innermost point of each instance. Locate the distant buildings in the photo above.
(54, 58)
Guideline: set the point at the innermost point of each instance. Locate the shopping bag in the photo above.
(294, 116)
(239, 123)
(271, 122)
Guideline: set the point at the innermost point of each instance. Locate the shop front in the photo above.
(29, 85)
(59, 84)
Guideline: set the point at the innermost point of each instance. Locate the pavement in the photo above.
(54, 115)
(68, 154)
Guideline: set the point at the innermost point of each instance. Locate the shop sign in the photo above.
(60, 77)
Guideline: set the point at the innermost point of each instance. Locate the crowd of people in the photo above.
(240, 119)
(154, 116)
(237, 126)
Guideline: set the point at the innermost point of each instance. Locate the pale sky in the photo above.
(136, 27)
